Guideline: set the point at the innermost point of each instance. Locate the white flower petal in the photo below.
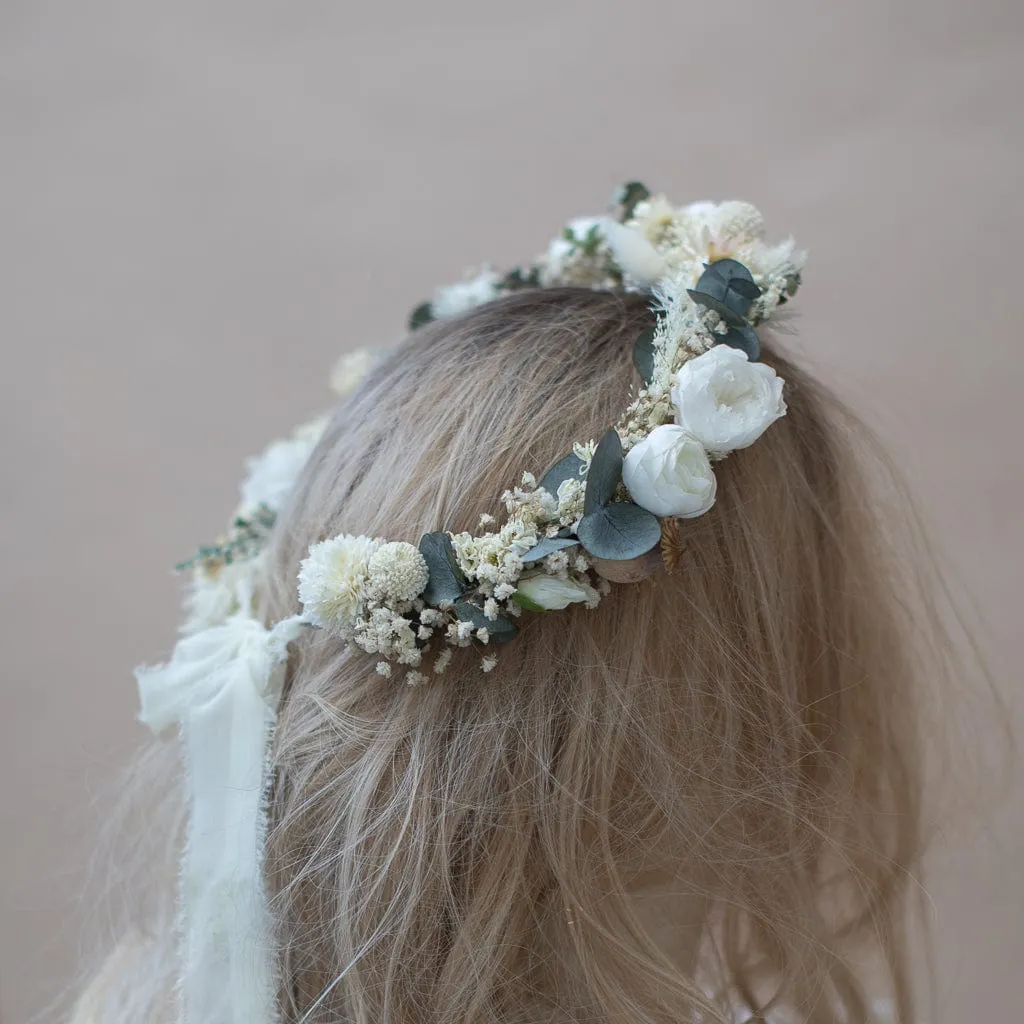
(726, 401)
(668, 473)
(633, 254)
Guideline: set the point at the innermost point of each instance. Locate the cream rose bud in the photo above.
(724, 400)
(668, 473)
(551, 593)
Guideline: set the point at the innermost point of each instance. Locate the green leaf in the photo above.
(548, 546)
(447, 580)
(500, 629)
(565, 469)
(619, 531)
(516, 280)
(643, 354)
(604, 474)
(422, 314)
(744, 338)
(729, 284)
(729, 315)
(628, 195)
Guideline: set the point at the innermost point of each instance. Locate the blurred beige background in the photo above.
(202, 203)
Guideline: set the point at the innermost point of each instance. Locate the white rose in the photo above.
(552, 594)
(724, 400)
(668, 473)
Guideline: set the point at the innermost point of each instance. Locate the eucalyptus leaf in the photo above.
(548, 546)
(565, 469)
(516, 280)
(730, 283)
(729, 315)
(446, 581)
(619, 531)
(628, 195)
(643, 354)
(604, 474)
(500, 629)
(744, 338)
(422, 314)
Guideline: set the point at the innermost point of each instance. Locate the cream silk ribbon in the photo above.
(222, 687)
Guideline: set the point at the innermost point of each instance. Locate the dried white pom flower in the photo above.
(483, 635)
(384, 669)
(491, 610)
(350, 371)
(415, 678)
(442, 660)
(332, 581)
(468, 294)
(488, 663)
(503, 591)
(398, 571)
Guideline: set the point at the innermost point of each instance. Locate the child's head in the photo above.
(721, 752)
(701, 794)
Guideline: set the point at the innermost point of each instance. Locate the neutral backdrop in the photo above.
(203, 203)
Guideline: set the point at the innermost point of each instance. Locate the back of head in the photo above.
(697, 795)
(718, 756)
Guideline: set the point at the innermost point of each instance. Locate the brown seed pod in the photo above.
(672, 545)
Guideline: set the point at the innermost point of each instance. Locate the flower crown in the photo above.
(605, 512)
(596, 514)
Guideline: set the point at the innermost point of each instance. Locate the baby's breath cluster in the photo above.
(375, 594)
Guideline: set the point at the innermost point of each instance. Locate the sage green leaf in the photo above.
(548, 546)
(518, 279)
(744, 338)
(628, 195)
(422, 314)
(447, 581)
(500, 629)
(643, 354)
(565, 469)
(730, 284)
(619, 531)
(730, 316)
(604, 474)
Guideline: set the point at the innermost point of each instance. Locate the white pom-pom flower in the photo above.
(724, 400)
(332, 581)
(466, 295)
(668, 473)
(351, 370)
(398, 572)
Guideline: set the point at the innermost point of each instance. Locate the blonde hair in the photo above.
(705, 793)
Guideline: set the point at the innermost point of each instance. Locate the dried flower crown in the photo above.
(602, 512)
(607, 511)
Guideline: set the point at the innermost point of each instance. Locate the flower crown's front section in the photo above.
(601, 512)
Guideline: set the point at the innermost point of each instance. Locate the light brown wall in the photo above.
(202, 204)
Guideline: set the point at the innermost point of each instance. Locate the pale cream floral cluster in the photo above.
(712, 278)
(371, 593)
(704, 395)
